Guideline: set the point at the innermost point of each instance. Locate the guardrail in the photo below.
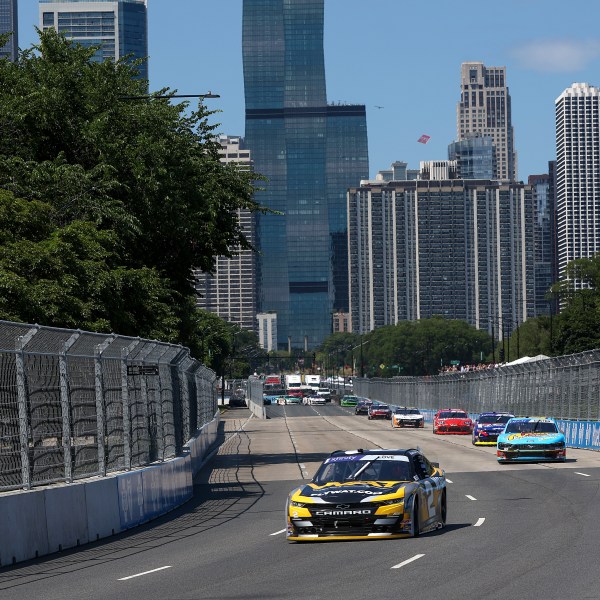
(566, 388)
(76, 404)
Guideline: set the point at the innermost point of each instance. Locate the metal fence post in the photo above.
(66, 406)
(160, 423)
(144, 395)
(22, 398)
(100, 408)
(125, 352)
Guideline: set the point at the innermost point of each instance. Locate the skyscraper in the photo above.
(9, 24)
(230, 291)
(577, 174)
(484, 109)
(474, 157)
(544, 248)
(311, 152)
(118, 27)
(459, 248)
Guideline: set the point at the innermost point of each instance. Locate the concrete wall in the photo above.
(45, 520)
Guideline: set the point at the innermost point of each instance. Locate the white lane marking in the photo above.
(470, 497)
(449, 481)
(302, 466)
(145, 573)
(278, 532)
(416, 557)
(480, 522)
(584, 474)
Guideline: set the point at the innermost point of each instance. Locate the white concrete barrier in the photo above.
(23, 530)
(41, 521)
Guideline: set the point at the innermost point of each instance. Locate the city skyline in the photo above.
(367, 62)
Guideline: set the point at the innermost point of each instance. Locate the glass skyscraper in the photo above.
(311, 152)
(8, 24)
(118, 27)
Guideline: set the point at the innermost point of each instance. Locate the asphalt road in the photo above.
(514, 531)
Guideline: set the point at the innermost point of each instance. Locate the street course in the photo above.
(524, 531)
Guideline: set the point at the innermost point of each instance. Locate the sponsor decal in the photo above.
(345, 458)
(340, 513)
(385, 457)
(362, 492)
(516, 436)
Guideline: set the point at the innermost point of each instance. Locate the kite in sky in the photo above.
(424, 139)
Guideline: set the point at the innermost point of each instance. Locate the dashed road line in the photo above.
(449, 481)
(470, 497)
(278, 532)
(583, 474)
(480, 522)
(416, 557)
(145, 573)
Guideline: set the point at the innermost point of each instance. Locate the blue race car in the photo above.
(531, 439)
(488, 427)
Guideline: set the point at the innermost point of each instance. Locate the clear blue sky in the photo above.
(400, 54)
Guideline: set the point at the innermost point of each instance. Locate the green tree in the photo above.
(128, 196)
(422, 347)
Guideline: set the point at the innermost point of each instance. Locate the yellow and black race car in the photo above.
(368, 494)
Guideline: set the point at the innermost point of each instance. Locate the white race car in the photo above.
(407, 417)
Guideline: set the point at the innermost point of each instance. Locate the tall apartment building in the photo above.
(9, 24)
(311, 152)
(544, 249)
(230, 291)
(118, 27)
(484, 110)
(458, 248)
(577, 174)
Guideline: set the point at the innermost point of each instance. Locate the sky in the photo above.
(401, 55)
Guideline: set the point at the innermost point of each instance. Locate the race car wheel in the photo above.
(415, 527)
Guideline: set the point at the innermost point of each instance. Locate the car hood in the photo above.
(401, 416)
(351, 492)
(531, 438)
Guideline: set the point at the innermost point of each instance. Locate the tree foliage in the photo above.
(108, 201)
(413, 347)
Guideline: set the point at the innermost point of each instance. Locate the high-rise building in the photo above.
(267, 331)
(484, 110)
(474, 157)
(459, 248)
(118, 27)
(230, 291)
(544, 247)
(577, 174)
(311, 152)
(9, 24)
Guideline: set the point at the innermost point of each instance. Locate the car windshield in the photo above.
(500, 419)
(454, 414)
(363, 470)
(531, 427)
(379, 406)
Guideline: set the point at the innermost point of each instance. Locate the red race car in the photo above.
(452, 420)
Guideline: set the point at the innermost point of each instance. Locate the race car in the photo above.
(404, 417)
(315, 399)
(452, 420)
(488, 426)
(368, 494)
(531, 439)
(362, 408)
(349, 400)
(379, 411)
